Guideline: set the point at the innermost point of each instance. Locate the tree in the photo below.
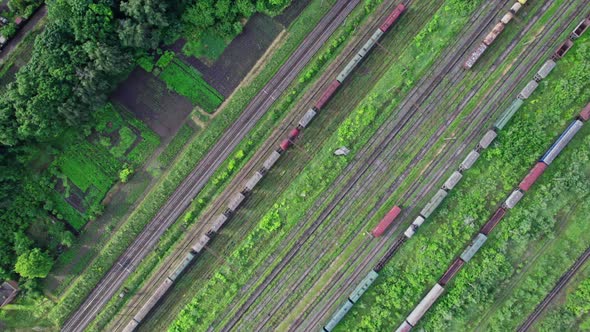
(22, 243)
(34, 264)
(142, 27)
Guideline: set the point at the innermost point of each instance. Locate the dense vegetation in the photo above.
(188, 82)
(85, 49)
(573, 312)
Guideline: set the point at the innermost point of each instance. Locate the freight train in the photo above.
(454, 179)
(239, 197)
(515, 196)
(492, 35)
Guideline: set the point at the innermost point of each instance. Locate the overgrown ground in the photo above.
(19, 56)
(569, 310)
(423, 259)
(364, 206)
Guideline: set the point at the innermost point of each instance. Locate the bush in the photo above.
(188, 82)
(125, 174)
(165, 59)
(146, 62)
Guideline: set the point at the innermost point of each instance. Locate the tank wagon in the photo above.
(491, 36)
(511, 201)
(351, 300)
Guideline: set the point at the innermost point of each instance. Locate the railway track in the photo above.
(365, 271)
(409, 193)
(269, 146)
(292, 289)
(284, 262)
(196, 180)
(562, 282)
(219, 205)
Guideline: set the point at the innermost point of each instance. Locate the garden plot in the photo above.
(226, 73)
(86, 170)
(148, 98)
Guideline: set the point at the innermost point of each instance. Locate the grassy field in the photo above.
(19, 57)
(368, 202)
(185, 133)
(426, 257)
(188, 82)
(195, 149)
(207, 48)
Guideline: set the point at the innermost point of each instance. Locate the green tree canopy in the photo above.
(34, 264)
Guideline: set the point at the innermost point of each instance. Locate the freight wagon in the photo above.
(386, 221)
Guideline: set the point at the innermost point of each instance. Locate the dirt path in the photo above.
(20, 34)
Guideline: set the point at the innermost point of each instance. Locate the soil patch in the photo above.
(149, 100)
(239, 56)
(292, 12)
(76, 195)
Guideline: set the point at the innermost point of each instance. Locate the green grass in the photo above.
(425, 258)
(63, 210)
(178, 142)
(18, 315)
(188, 82)
(207, 47)
(113, 118)
(94, 167)
(88, 165)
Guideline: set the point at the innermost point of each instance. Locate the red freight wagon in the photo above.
(293, 134)
(455, 267)
(327, 94)
(562, 50)
(494, 220)
(392, 17)
(285, 144)
(532, 177)
(386, 221)
(585, 114)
